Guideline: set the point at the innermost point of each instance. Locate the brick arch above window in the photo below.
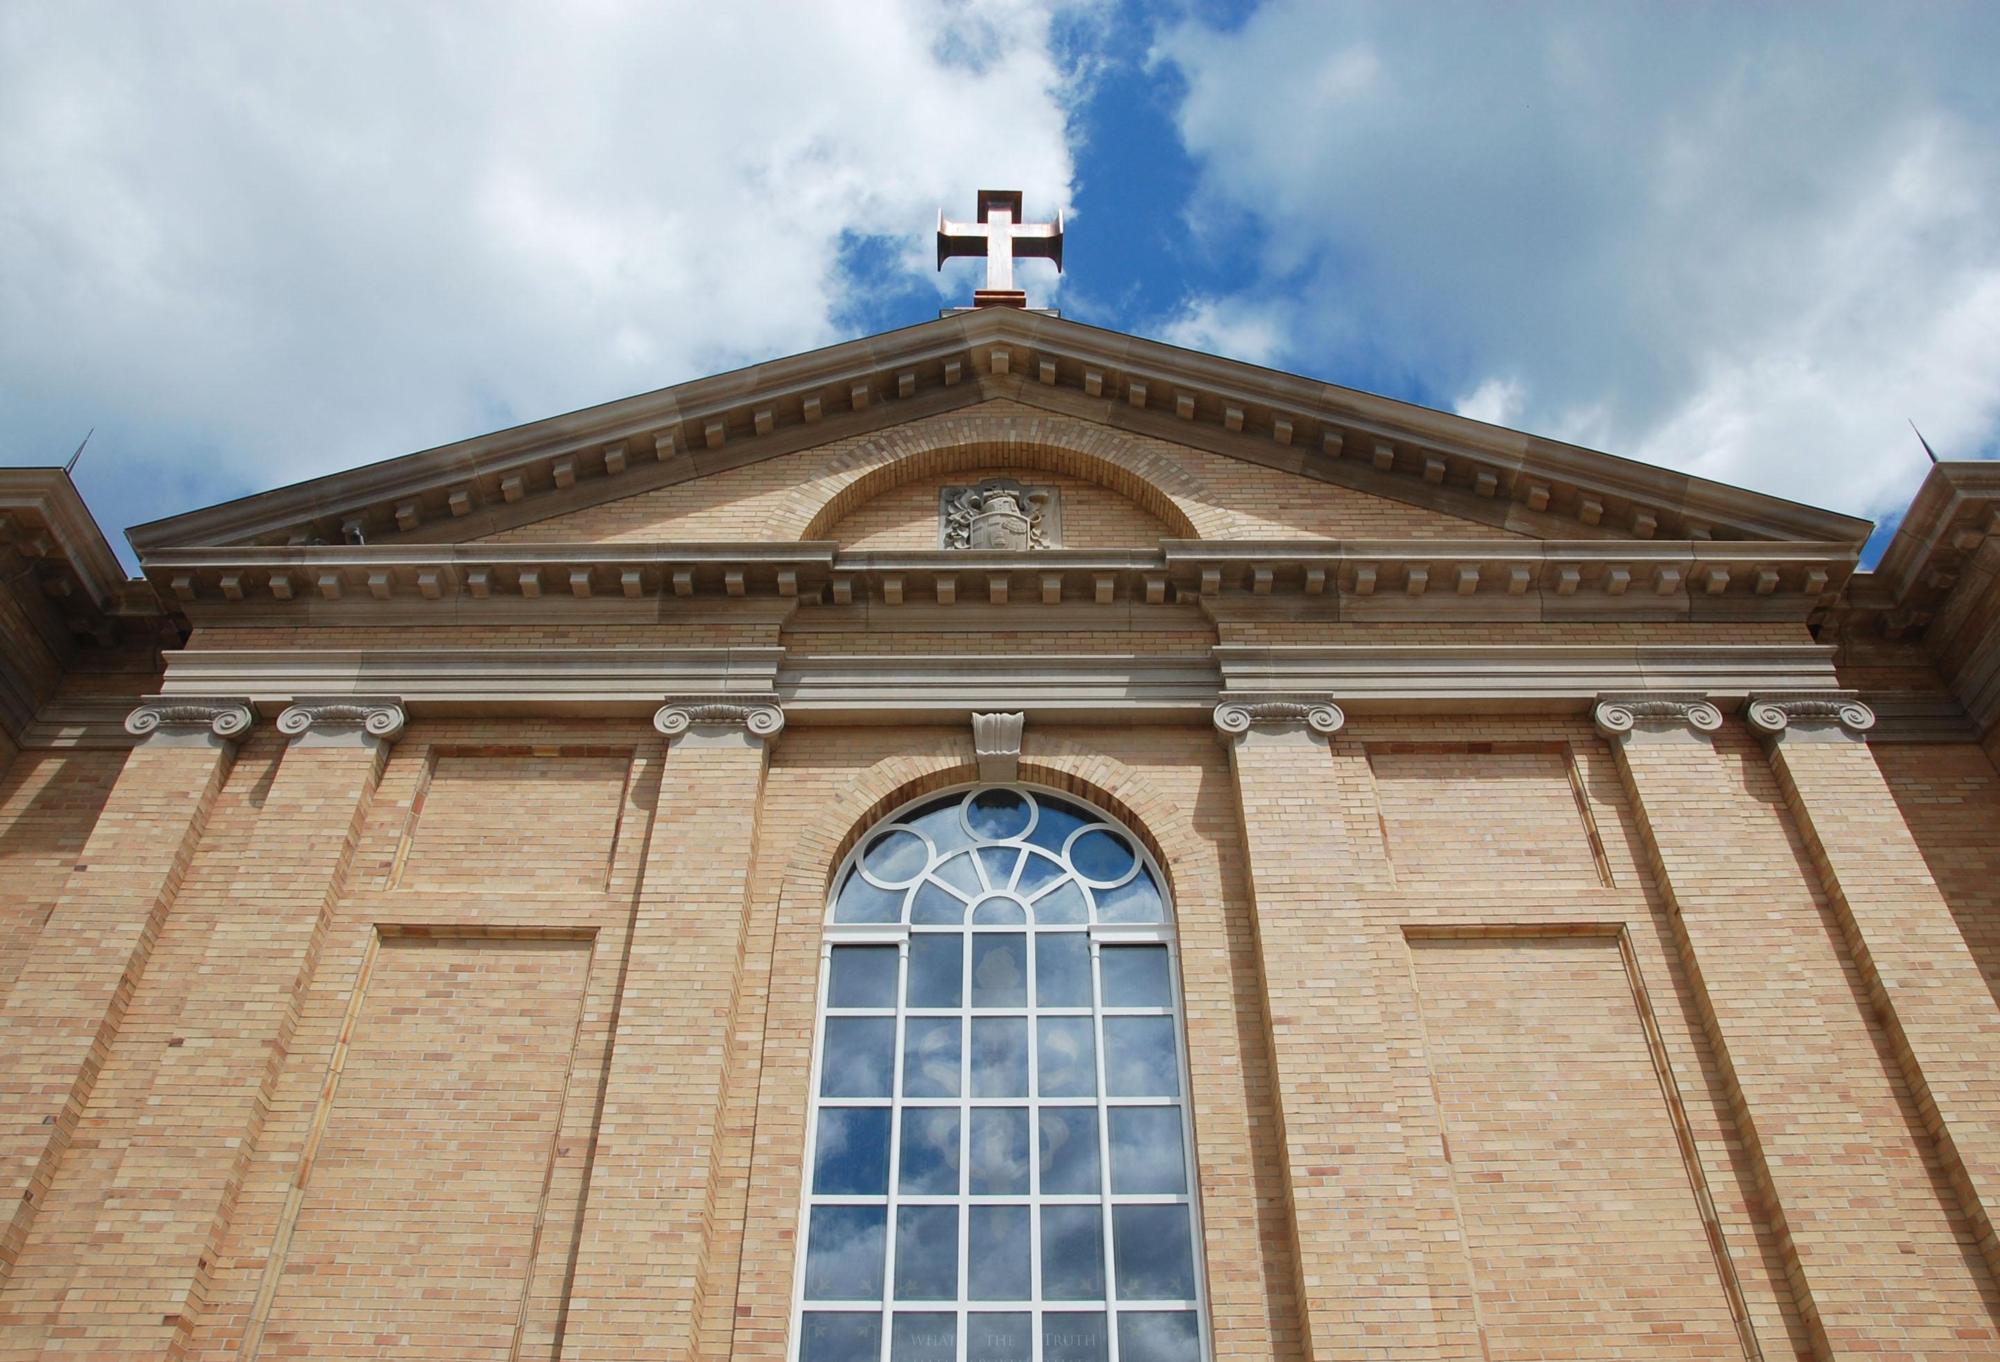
(979, 441)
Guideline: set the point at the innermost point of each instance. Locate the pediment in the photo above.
(1489, 479)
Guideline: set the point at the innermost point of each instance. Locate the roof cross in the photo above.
(1000, 235)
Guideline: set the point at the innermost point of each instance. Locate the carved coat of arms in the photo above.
(999, 515)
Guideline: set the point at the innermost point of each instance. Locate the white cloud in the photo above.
(1746, 241)
(1235, 327)
(299, 239)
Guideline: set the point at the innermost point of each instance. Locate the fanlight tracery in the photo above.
(1000, 1162)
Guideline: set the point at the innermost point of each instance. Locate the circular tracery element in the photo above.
(1054, 860)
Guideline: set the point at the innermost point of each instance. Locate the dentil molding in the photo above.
(342, 722)
(1818, 715)
(1656, 714)
(190, 721)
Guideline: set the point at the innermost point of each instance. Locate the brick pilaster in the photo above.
(647, 1217)
(1874, 1254)
(1921, 975)
(185, 1089)
(66, 1005)
(1364, 1287)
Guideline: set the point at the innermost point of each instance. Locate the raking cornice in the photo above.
(528, 473)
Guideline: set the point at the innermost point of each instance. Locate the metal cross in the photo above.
(1000, 235)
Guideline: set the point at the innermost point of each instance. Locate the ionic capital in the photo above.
(346, 721)
(1656, 714)
(190, 722)
(1312, 714)
(1817, 715)
(718, 719)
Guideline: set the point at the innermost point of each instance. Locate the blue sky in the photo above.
(252, 244)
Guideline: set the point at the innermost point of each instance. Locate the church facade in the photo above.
(1001, 842)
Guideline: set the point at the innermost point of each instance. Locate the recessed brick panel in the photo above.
(421, 1208)
(516, 820)
(1583, 1236)
(1480, 815)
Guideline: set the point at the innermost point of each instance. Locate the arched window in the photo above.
(1000, 1162)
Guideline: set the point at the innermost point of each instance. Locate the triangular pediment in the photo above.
(1485, 478)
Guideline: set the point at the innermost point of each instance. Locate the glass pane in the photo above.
(1139, 1057)
(927, 1253)
(896, 857)
(1057, 821)
(1136, 900)
(927, 1337)
(844, 1253)
(938, 820)
(859, 1058)
(931, 1056)
(861, 901)
(1074, 1336)
(999, 1056)
(1154, 1251)
(1000, 970)
(937, 969)
(862, 976)
(999, 1338)
(959, 874)
(853, 1154)
(1036, 872)
(840, 1336)
(997, 912)
(1062, 906)
(998, 814)
(1146, 1150)
(1066, 1055)
(1136, 976)
(997, 1259)
(999, 1151)
(1062, 970)
(936, 906)
(1072, 1253)
(930, 1152)
(1158, 1336)
(998, 863)
(1069, 1150)
(1101, 856)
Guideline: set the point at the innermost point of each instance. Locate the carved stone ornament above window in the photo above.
(999, 515)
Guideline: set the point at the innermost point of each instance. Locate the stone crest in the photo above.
(999, 515)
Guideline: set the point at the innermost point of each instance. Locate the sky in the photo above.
(252, 243)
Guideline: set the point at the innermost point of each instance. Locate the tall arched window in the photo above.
(1000, 1160)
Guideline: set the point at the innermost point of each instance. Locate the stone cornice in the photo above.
(1656, 714)
(657, 438)
(1809, 714)
(1315, 713)
(342, 722)
(1506, 579)
(190, 720)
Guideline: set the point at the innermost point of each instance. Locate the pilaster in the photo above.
(60, 1018)
(650, 1204)
(1326, 970)
(1873, 1256)
(134, 1254)
(1922, 977)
